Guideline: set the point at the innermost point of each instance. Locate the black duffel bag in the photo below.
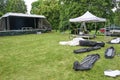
(86, 63)
(82, 50)
(110, 52)
(91, 43)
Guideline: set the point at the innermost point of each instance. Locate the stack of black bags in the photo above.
(88, 62)
(93, 45)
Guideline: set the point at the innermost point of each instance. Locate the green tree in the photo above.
(16, 6)
(117, 18)
(59, 12)
(79, 7)
(117, 13)
(2, 7)
(49, 8)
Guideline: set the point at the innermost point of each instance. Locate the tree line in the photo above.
(58, 12)
(17, 6)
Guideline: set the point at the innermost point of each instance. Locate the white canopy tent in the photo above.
(86, 18)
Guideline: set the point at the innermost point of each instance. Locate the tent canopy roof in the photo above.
(88, 17)
(23, 15)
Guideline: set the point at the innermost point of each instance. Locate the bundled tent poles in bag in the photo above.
(91, 43)
(93, 46)
(110, 52)
(87, 62)
(86, 49)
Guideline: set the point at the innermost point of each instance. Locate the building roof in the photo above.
(23, 15)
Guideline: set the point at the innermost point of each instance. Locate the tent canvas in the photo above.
(88, 17)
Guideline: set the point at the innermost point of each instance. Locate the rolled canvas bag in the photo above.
(87, 43)
(82, 50)
(110, 52)
(86, 63)
(91, 43)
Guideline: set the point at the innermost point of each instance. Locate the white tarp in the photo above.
(112, 73)
(87, 17)
(74, 42)
(115, 41)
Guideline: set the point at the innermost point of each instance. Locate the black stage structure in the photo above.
(19, 23)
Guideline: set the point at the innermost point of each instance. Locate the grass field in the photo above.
(40, 57)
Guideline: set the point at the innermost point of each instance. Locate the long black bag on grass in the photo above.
(82, 50)
(87, 62)
(91, 43)
(110, 52)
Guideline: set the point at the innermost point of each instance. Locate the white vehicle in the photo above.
(111, 31)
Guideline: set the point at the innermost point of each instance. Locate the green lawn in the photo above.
(40, 57)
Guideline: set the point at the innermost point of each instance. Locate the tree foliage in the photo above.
(59, 12)
(117, 18)
(97, 7)
(117, 12)
(2, 7)
(16, 6)
(49, 8)
(12, 6)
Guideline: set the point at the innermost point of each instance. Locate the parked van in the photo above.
(112, 30)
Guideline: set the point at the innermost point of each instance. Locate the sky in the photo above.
(28, 3)
(118, 0)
